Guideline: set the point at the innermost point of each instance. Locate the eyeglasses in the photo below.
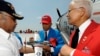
(72, 10)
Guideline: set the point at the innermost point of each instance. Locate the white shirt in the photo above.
(82, 28)
(47, 32)
(7, 47)
(52, 49)
(16, 41)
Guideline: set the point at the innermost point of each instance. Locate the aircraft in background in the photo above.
(96, 10)
(65, 28)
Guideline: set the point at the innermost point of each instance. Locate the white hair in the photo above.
(87, 4)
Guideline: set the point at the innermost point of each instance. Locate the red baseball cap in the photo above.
(46, 19)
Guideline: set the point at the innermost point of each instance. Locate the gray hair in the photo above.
(87, 4)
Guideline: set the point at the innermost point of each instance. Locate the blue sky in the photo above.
(33, 10)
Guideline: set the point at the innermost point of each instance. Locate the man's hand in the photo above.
(65, 50)
(46, 48)
(31, 39)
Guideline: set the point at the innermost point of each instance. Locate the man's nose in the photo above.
(67, 15)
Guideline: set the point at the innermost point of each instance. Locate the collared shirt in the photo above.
(7, 48)
(82, 28)
(52, 49)
(47, 32)
(16, 41)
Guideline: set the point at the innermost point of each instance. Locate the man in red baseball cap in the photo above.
(46, 22)
(46, 19)
(51, 35)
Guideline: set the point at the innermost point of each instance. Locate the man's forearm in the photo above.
(26, 50)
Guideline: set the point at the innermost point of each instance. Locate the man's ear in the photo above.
(2, 18)
(82, 11)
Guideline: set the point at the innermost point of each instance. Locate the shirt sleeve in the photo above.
(19, 45)
(52, 49)
(71, 54)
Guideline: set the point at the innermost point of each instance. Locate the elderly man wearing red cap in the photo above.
(51, 35)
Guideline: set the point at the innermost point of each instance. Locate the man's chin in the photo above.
(70, 23)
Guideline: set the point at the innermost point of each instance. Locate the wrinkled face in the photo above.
(74, 14)
(8, 22)
(46, 26)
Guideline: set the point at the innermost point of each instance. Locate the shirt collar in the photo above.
(47, 32)
(84, 25)
(4, 33)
